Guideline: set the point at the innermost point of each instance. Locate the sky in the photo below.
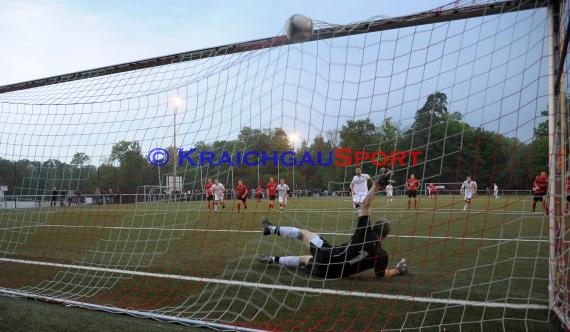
(43, 38)
(492, 69)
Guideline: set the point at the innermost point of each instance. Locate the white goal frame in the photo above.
(144, 194)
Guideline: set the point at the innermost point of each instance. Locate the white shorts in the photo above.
(283, 200)
(218, 197)
(468, 196)
(358, 198)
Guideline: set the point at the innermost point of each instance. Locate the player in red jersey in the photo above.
(272, 193)
(432, 190)
(539, 189)
(258, 193)
(209, 193)
(412, 186)
(241, 195)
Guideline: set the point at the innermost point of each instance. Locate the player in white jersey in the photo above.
(359, 187)
(496, 190)
(389, 192)
(219, 191)
(468, 190)
(283, 192)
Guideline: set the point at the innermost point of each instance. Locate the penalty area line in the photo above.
(325, 291)
(176, 229)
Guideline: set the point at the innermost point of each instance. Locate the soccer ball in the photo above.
(299, 28)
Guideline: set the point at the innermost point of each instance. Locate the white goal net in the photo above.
(475, 88)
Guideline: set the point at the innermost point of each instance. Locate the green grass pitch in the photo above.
(192, 263)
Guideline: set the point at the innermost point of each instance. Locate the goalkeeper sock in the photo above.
(288, 261)
(288, 232)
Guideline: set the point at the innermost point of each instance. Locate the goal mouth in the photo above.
(119, 185)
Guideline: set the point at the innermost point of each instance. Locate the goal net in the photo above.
(476, 88)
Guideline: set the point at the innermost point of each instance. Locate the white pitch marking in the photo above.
(288, 287)
(162, 229)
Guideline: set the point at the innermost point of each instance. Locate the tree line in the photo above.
(449, 150)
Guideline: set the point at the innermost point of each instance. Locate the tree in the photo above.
(539, 147)
(319, 176)
(123, 149)
(304, 146)
(333, 138)
(7, 172)
(132, 165)
(52, 170)
(280, 140)
(434, 133)
(249, 136)
(79, 159)
(389, 132)
(516, 173)
(106, 176)
(455, 116)
(359, 135)
(433, 112)
(52, 163)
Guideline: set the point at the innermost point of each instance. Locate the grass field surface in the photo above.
(485, 268)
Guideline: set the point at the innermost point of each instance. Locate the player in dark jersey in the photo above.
(362, 252)
(53, 197)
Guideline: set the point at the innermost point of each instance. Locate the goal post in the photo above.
(558, 142)
(472, 88)
(445, 188)
(150, 193)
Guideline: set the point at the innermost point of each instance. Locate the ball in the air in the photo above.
(299, 28)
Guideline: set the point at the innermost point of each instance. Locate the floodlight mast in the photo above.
(176, 102)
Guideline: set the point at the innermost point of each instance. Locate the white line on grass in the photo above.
(340, 210)
(164, 229)
(409, 298)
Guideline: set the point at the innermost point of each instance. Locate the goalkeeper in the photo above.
(362, 252)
